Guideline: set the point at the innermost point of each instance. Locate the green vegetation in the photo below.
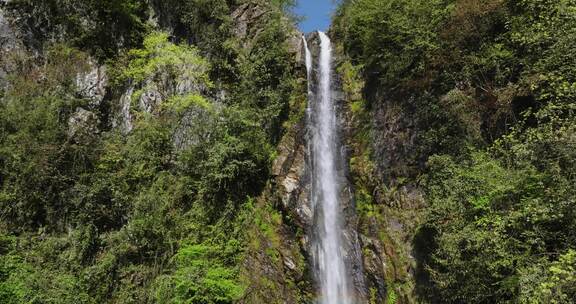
(463, 115)
(157, 215)
(101, 27)
(488, 87)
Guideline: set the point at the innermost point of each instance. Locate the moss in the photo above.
(180, 104)
(160, 55)
(298, 104)
(373, 296)
(392, 296)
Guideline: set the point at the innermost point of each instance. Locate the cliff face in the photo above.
(451, 107)
(11, 46)
(167, 117)
(292, 169)
(159, 151)
(381, 216)
(159, 181)
(380, 147)
(391, 210)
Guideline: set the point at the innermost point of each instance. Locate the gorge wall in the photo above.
(159, 151)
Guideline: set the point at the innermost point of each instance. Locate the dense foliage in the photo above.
(99, 26)
(483, 92)
(490, 86)
(158, 214)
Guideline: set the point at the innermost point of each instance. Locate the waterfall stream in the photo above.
(327, 250)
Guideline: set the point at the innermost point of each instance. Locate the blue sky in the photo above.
(316, 12)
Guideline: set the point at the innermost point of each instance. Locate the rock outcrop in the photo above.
(93, 84)
(82, 125)
(10, 45)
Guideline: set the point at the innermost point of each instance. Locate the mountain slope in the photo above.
(463, 115)
(130, 159)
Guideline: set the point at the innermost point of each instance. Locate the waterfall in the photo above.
(308, 60)
(327, 250)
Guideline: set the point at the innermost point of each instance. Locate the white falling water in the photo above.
(308, 59)
(326, 188)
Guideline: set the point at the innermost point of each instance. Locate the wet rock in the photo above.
(292, 169)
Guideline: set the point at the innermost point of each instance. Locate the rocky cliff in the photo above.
(165, 148)
(292, 184)
(159, 151)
